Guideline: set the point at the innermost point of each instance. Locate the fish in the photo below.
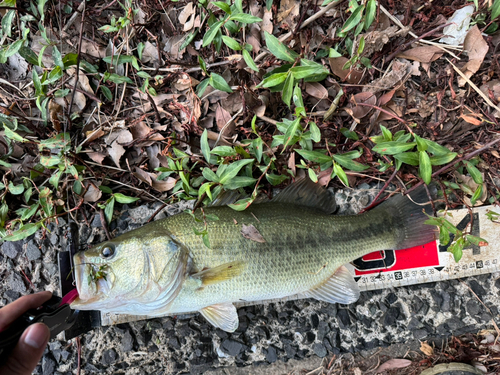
(301, 249)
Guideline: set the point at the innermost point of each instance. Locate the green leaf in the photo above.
(478, 241)
(456, 249)
(202, 86)
(371, 12)
(315, 132)
(443, 159)
(312, 175)
(115, 78)
(56, 55)
(219, 83)
(337, 169)
(258, 147)
(349, 134)
(421, 144)
(278, 49)
(393, 147)
(288, 90)
(37, 83)
(122, 59)
(26, 231)
(29, 55)
(350, 164)
(62, 140)
(275, 179)
(16, 189)
(297, 97)
(495, 10)
(239, 182)
(105, 189)
(410, 158)
(205, 147)
(314, 156)
(290, 132)
(222, 5)
(444, 236)
(274, 79)
(30, 211)
(435, 148)
(300, 72)
(245, 18)
(249, 61)
(242, 204)
(140, 48)
(14, 48)
(107, 92)
(108, 211)
(425, 167)
(211, 33)
(474, 172)
(189, 38)
(354, 19)
(124, 199)
(224, 151)
(13, 135)
(231, 43)
(386, 133)
(210, 175)
(205, 189)
(233, 169)
(54, 179)
(476, 195)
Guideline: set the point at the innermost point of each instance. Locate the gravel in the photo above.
(293, 332)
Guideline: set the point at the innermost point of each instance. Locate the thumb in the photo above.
(28, 351)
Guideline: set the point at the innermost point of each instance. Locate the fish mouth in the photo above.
(84, 294)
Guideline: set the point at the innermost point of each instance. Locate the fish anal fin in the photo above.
(220, 273)
(306, 193)
(222, 315)
(338, 288)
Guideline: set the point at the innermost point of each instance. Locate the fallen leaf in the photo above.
(115, 140)
(425, 54)
(144, 134)
(93, 49)
(186, 13)
(476, 47)
(98, 157)
(288, 14)
(267, 23)
(397, 76)
(358, 111)
(454, 34)
(471, 120)
(150, 53)
(55, 111)
(317, 90)
(151, 180)
(223, 118)
(251, 233)
(392, 364)
(377, 39)
(352, 75)
(93, 193)
(426, 349)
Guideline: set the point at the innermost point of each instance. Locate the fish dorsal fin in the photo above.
(222, 315)
(339, 288)
(220, 273)
(304, 192)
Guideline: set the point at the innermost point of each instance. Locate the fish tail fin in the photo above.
(408, 216)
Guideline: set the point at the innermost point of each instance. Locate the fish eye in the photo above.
(108, 251)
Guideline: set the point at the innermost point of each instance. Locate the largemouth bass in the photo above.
(298, 248)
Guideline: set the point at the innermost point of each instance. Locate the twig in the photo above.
(104, 223)
(482, 94)
(157, 212)
(78, 57)
(374, 203)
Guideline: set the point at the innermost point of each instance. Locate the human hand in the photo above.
(29, 349)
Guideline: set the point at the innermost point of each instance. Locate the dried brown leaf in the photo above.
(425, 54)
(222, 118)
(358, 112)
(98, 157)
(393, 364)
(471, 119)
(115, 140)
(477, 48)
(352, 76)
(185, 13)
(426, 349)
(93, 49)
(317, 90)
(93, 135)
(55, 111)
(288, 14)
(251, 233)
(267, 22)
(93, 193)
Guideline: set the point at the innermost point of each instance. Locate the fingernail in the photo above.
(36, 335)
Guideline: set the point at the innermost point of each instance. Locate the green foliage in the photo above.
(448, 233)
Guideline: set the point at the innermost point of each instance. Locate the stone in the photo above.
(472, 306)
(127, 342)
(11, 295)
(271, 355)
(454, 323)
(16, 282)
(320, 350)
(419, 334)
(497, 283)
(231, 347)
(96, 223)
(108, 357)
(32, 251)
(48, 365)
(343, 316)
(391, 298)
(309, 338)
(391, 316)
(314, 320)
(477, 288)
(445, 306)
(12, 248)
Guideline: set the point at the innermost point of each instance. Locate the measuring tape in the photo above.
(416, 265)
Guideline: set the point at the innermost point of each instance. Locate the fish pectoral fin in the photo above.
(220, 273)
(222, 315)
(339, 288)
